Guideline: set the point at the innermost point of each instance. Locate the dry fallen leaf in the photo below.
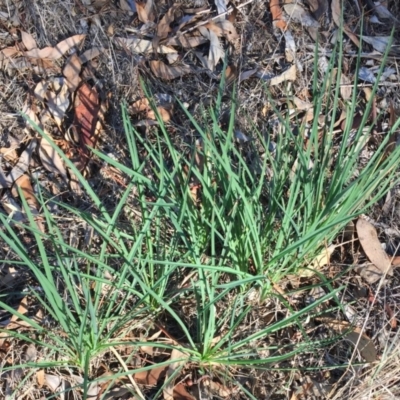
(86, 114)
(164, 26)
(138, 45)
(28, 41)
(71, 72)
(216, 52)
(165, 113)
(336, 9)
(373, 249)
(318, 7)
(223, 28)
(164, 71)
(180, 393)
(54, 53)
(170, 383)
(23, 163)
(361, 341)
(277, 16)
(186, 41)
(51, 160)
(288, 75)
(150, 377)
(145, 11)
(90, 54)
(379, 43)
(24, 183)
(345, 87)
(57, 97)
(40, 377)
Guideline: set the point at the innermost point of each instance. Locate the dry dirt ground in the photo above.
(55, 55)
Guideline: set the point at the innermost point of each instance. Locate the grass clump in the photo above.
(208, 230)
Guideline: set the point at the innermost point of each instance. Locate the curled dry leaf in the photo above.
(163, 71)
(71, 72)
(163, 27)
(216, 52)
(288, 75)
(373, 249)
(58, 99)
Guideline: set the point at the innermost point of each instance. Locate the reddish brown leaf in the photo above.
(149, 377)
(276, 12)
(87, 107)
(180, 393)
(391, 315)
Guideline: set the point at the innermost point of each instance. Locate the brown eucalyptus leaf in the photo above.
(299, 14)
(186, 41)
(138, 45)
(164, 71)
(318, 7)
(370, 243)
(345, 88)
(28, 41)
(277, 15)
(24, 183)
(58, 99)
(23, 163)
(71, 72)
(180, 393)
(51, 160)
(87, 108)
(223, 28)
(90, 54)
(145, 11)
(149, 377)
(163, 27)
(54, 53)
(379, 43)
(172, 368)
(216, 52)
(336, 8)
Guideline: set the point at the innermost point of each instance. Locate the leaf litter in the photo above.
(64, 91)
